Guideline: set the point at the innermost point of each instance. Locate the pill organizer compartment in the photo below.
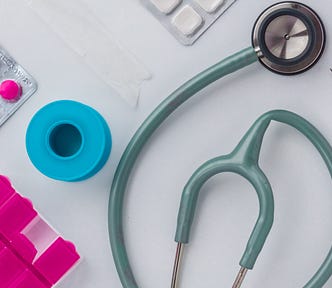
(32, 254)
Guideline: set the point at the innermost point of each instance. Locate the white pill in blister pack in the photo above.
(16, 86)
(166, 6)
(187, 20)
(210, 6)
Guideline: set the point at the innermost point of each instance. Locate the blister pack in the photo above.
(187, 20)
(16, 85)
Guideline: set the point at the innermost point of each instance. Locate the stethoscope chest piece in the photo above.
(289, 38)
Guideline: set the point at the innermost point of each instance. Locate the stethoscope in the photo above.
(288, 38)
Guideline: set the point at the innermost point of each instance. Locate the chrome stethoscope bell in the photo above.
(289, 38)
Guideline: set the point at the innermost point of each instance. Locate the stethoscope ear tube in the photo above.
(244, 160)
(233, 163)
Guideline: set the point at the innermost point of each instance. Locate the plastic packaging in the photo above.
(16, 85)
(82, 32)
(187, 20)
(32, 254)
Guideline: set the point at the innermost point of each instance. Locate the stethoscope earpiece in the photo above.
(289, 38)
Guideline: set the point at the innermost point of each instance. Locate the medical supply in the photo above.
(100, 51)
(68, 141)
(16, 86)
(289, 38)
(32, 254)
(10, 90)
(187, 20)
(244, 160)
(294, 58)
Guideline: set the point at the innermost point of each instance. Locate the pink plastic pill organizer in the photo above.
(32, 254)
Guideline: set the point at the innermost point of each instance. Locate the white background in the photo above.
(209, 125)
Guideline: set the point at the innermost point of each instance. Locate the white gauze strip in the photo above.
(83, 32)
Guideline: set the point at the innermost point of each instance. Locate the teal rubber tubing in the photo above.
(233, 163)
(141, 137)
(262, 186)
(325, 150)
(244, 161)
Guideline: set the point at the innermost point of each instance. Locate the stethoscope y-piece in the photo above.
(298, 22)
(244, 161)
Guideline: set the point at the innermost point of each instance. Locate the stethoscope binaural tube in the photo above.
(159, 115)
(244, 160)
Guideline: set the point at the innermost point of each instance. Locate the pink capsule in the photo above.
(10, 90)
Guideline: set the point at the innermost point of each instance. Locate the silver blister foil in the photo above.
(11, 70)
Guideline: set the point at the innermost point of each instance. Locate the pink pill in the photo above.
(10, 90)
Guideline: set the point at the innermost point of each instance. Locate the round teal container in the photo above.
(68, 141)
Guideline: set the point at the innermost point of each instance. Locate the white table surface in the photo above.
(210, 124)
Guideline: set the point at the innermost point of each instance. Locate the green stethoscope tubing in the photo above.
(244, 161)
(142, 135)
(150, 125)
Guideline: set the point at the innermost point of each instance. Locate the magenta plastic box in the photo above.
(32, 254)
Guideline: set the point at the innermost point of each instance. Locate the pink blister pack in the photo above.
(32, 254)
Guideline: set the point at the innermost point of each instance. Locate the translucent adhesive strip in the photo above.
(82, 31)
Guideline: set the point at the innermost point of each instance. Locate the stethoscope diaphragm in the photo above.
(289, 38)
